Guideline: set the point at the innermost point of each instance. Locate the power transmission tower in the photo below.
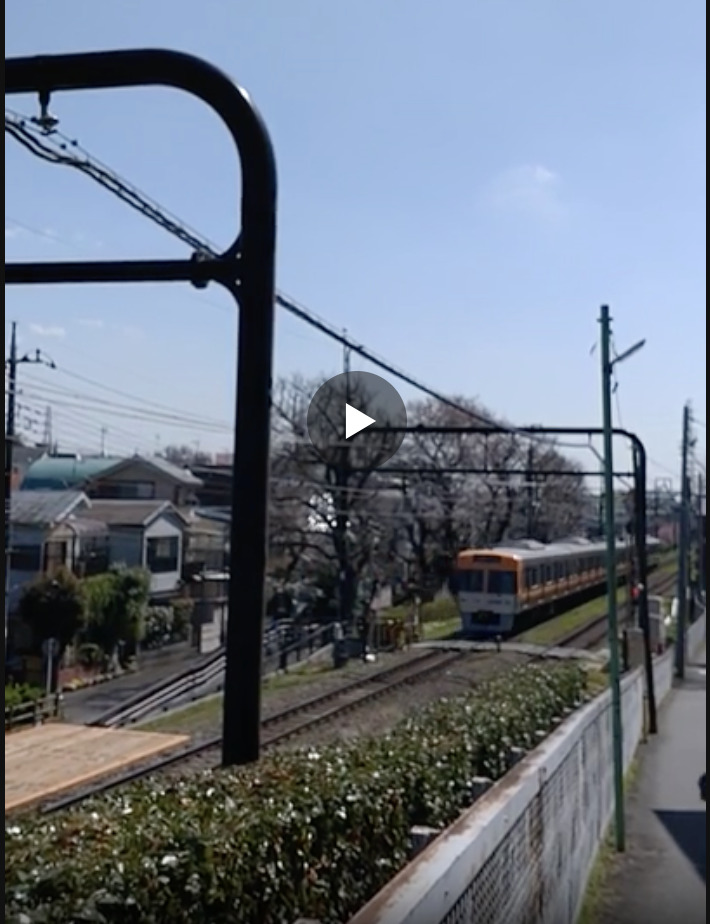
(12, 364)
(683, 547)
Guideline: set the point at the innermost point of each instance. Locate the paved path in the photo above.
(661, 877)
(86, 705)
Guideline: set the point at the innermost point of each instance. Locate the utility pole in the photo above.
(611, 574)
(683, 548)
(12, 363)
(613, 629)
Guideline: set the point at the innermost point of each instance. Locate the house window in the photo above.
(126, 490)
(163, 554)
(27, 558)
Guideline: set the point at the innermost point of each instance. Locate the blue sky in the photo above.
(461, 185)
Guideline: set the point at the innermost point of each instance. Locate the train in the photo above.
(505, 589)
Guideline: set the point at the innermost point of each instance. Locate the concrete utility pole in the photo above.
(10, 435)
(611, 574)
(683, 548)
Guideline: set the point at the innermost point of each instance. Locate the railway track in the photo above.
(276, 729)
(317, 711)
(594, 632)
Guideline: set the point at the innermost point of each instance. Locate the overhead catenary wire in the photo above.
(39, 141)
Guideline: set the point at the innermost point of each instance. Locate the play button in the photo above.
(356, 421)
(343, 410)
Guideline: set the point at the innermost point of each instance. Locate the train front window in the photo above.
(470, 581)
(502, 582)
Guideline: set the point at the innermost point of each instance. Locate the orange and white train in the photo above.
(497, 589)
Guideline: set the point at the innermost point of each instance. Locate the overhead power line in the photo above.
(55, 147)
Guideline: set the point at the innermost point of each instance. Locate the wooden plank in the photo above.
(50, 759)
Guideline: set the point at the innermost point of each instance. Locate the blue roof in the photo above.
(59, 473)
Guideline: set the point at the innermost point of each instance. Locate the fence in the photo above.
(34, 712)
(523, 853)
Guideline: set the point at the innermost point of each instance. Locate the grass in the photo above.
(440, 628)
(192, 718)
(555, 629)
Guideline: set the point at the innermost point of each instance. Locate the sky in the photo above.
(462, 185)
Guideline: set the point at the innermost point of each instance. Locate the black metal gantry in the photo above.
(640, 519)
(246, 270)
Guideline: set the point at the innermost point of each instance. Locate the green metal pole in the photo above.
(683, 544)
(611, 577)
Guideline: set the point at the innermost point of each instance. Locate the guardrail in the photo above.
(208, 676)
(33, 713)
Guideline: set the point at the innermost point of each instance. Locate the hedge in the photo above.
(312, 833)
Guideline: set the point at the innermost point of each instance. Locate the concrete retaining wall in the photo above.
(523, 853)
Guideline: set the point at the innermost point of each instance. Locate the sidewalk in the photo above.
(661, 877)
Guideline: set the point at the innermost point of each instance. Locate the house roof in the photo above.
(173, 472)
(199, 523)
(45, 508)
(23, 456)
(129, 512)
(56, 473)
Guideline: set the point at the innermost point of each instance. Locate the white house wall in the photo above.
(164, 528)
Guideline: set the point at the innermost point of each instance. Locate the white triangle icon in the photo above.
(355, 421)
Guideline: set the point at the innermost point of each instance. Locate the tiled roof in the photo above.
(128, 512)
(183, 475)
(174, 472)
(45, 508)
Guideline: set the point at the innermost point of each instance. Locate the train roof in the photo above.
(531, 550)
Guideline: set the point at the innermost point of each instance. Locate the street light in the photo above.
(608, 365)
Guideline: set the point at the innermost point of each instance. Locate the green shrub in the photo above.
(311, 833)
(19, 694)
(440, 610)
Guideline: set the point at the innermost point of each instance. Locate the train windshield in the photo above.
(502, 582)
(470, 581)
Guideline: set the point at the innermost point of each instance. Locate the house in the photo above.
(22, 457)
(145, 534)
(49, 532)
(112, 478)
(145, 478)
(206, 542)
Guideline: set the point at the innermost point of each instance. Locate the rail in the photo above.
(209, 675)
(284, 725)
(595, 629)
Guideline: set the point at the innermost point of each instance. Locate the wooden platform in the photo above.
(52, 758)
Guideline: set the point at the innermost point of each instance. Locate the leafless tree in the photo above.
(327, 510)
(366, 527)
